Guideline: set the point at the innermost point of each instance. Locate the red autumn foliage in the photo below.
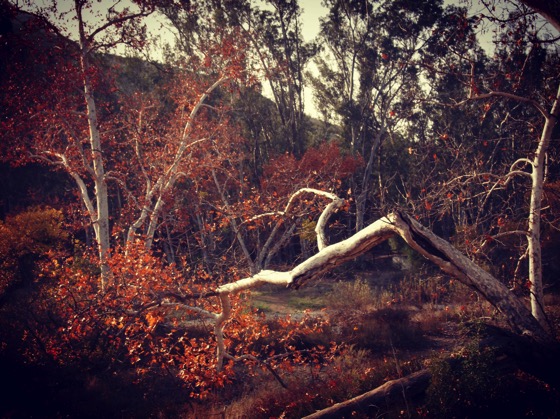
(323, 167)
(150, 321)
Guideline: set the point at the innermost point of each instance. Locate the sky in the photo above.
(312, 12)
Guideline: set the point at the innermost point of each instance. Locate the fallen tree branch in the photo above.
(390, 393)
(455, 263)
(429, 245)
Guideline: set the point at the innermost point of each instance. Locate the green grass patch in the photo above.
(306, 303)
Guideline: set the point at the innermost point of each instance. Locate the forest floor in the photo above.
(407, 324)
(393, 325)
(279, 301)
(439, 325)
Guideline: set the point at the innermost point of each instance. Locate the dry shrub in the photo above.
(465, 386)
(382, 329)
(419, 290)
(432, 321)
(350, 296)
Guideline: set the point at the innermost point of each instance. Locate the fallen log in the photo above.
(392, 393)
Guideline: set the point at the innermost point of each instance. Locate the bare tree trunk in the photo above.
(367, 180)
(238, 236)
(535, 209)
(455, 263)
(100, 219)
(151, 211)
(537, 176)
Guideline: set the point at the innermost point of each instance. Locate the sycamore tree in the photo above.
(532, 42)
(492, 172)
(70, 116)
(433, 248)
(60, 113)
(127, 150)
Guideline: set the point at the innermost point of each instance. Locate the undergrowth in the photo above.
(388, 329)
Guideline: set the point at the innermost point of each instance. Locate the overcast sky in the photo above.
(312, 11)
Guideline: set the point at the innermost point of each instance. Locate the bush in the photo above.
(464, 386)
(24, 238)
(310, 388)
(350, 296)
(381, 329)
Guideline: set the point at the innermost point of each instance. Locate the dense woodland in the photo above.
(180, 238)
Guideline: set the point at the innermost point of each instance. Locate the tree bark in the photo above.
(455, 263)
(100, 219)
(535, 209)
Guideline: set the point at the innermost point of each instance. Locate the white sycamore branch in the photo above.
(323, 219)
(434, 248)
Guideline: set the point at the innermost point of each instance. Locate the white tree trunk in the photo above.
(153, 204)
(100, 219)
(537, 176)
(535, 209)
